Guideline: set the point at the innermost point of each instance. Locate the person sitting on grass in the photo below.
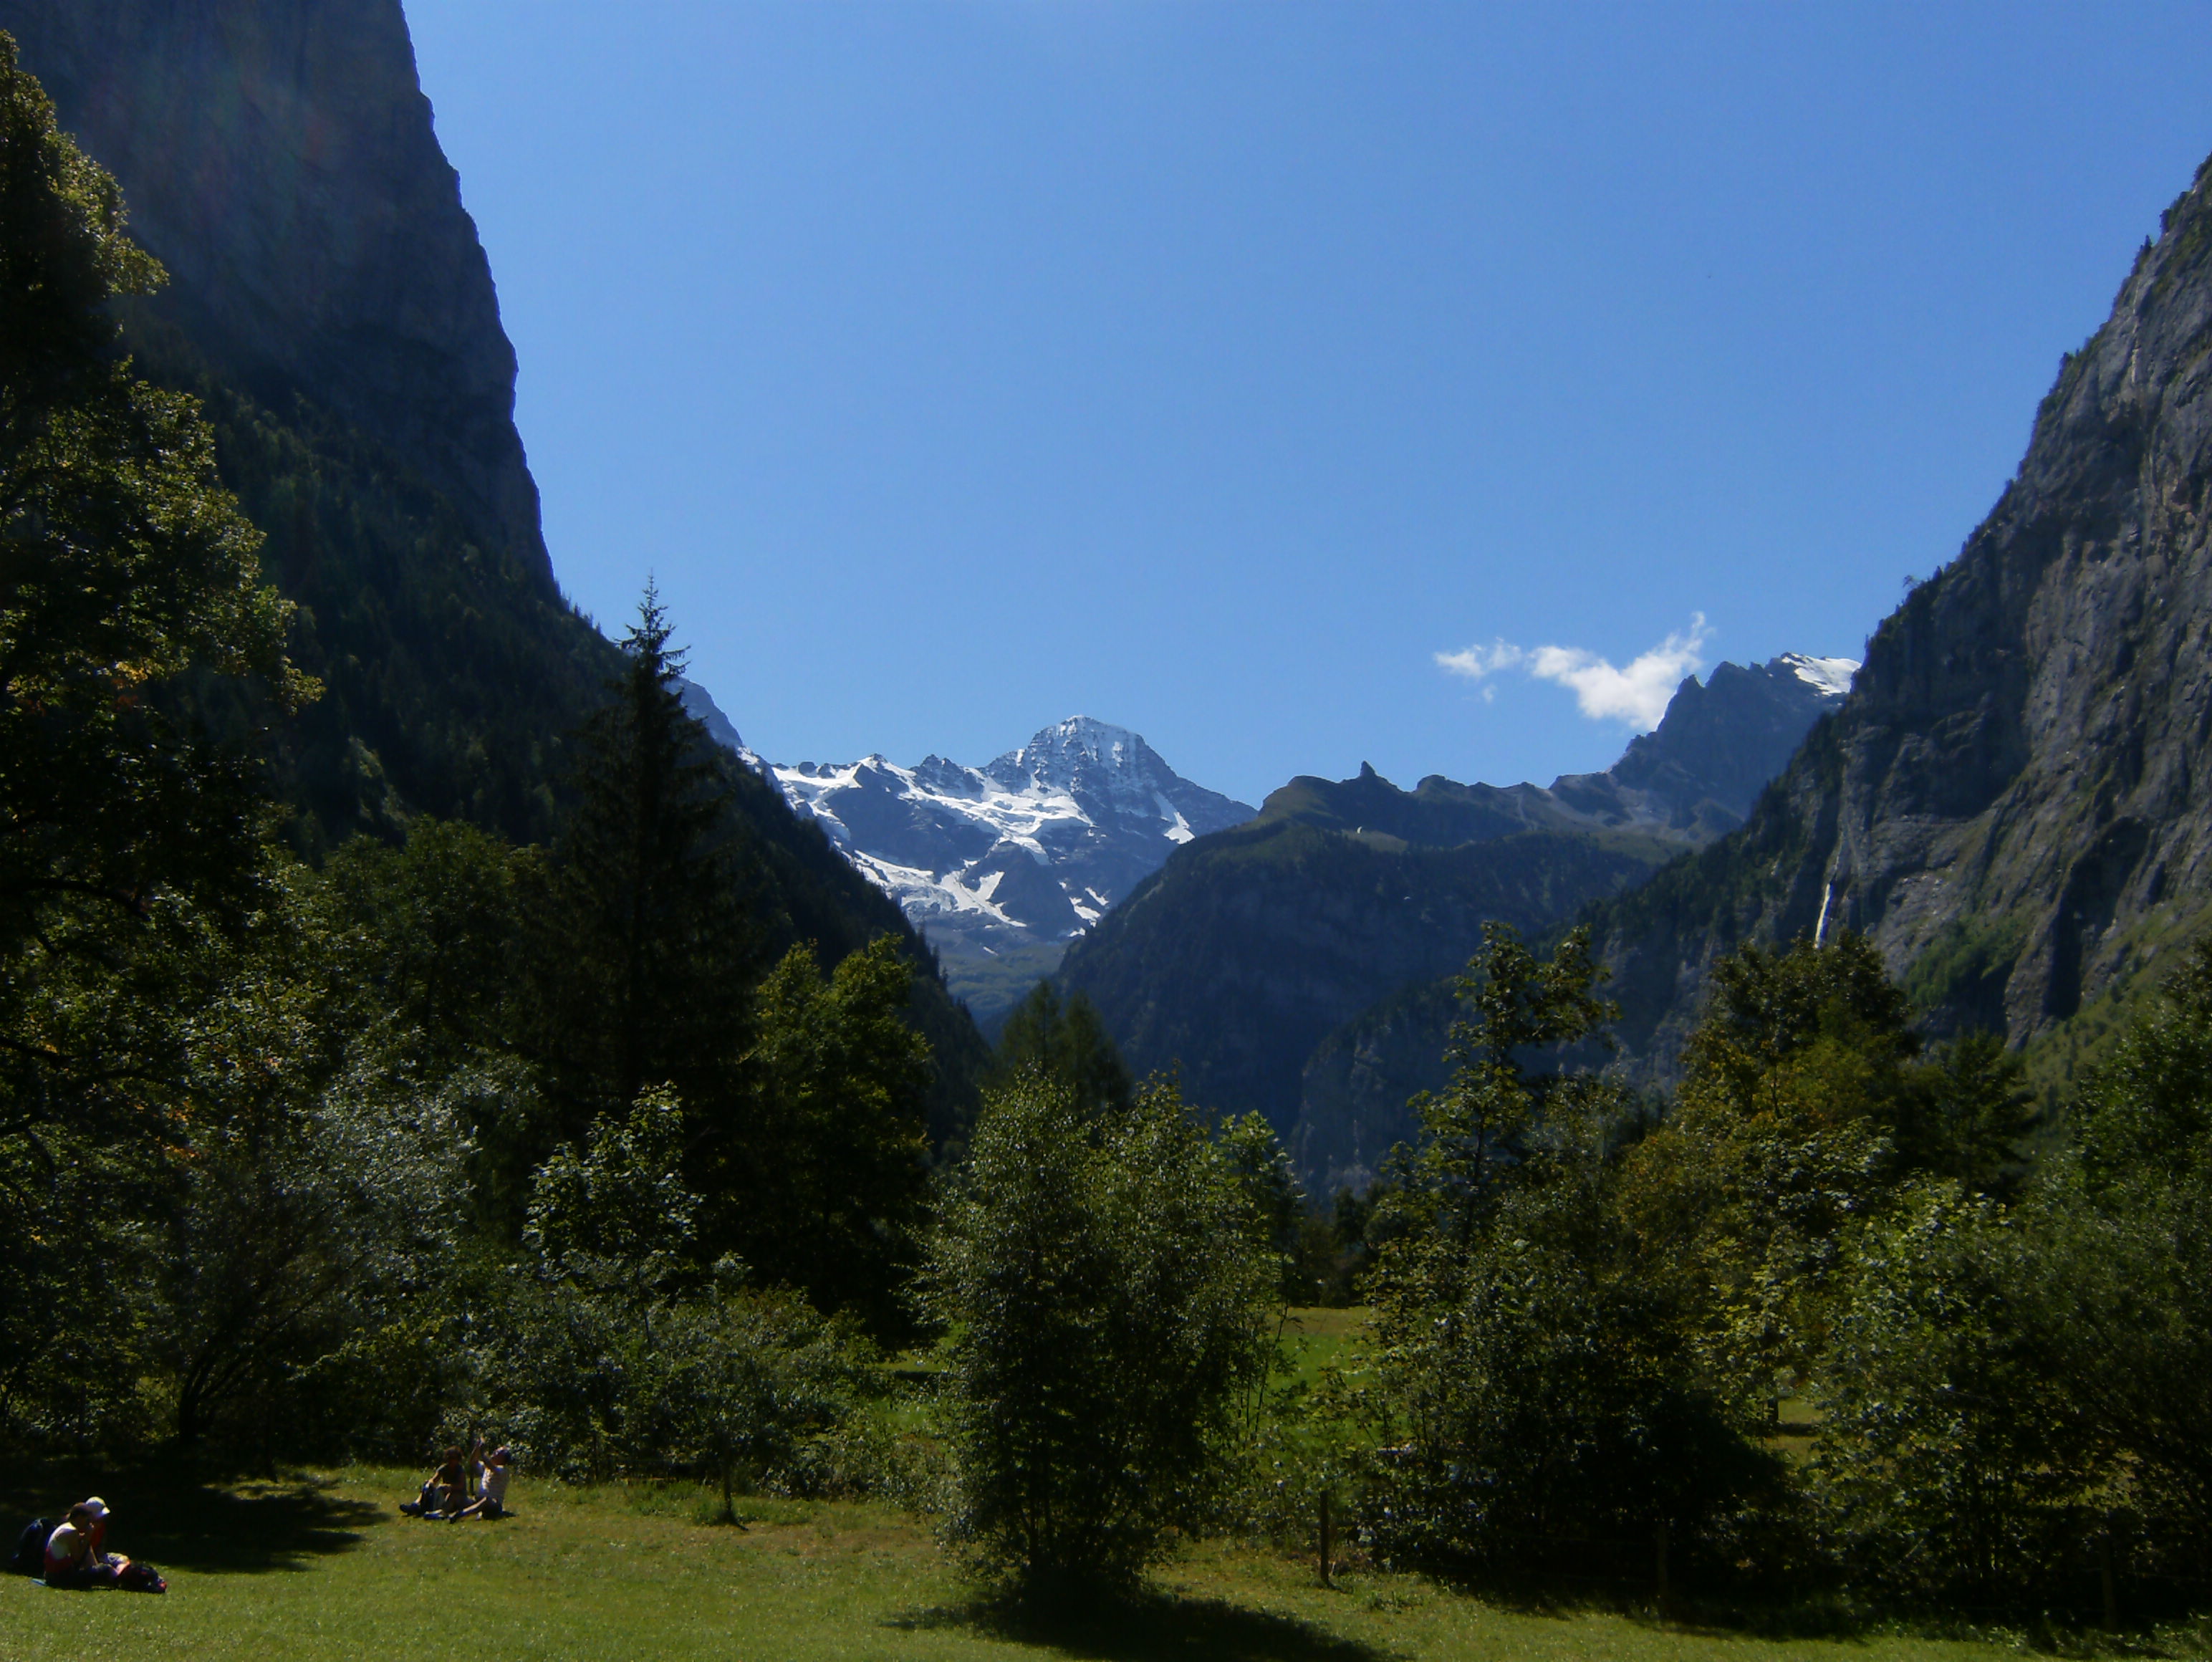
(492, 1503)
(74, 1554)
(446, 1492)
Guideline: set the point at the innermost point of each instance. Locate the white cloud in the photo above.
(1636, 693)
(1477, 661)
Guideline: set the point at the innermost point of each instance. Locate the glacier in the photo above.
(1001, 867)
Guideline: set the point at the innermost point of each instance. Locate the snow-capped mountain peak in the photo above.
(1001, 866)
(1059, 751)
(1831, 676)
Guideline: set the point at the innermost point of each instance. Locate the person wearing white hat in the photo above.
(74, 1557)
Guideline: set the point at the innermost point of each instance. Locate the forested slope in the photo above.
(1233, 961)
(329, 302)
(1299, 966)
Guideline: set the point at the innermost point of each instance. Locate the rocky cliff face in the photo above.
(2014, 803)
(279, 158)
(332, 307)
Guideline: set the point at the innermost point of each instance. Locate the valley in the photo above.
(1751, 1199)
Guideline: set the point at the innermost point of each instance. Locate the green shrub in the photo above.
(1106, 1287)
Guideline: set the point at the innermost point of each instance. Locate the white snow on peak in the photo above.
(1059, 754)
(927, 897)
(1179, 829)
(1009, 860)
(1833, 676)
(1090, 804)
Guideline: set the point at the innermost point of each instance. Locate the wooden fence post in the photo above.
(1659, 1564)
(2105, 1575)
(1324, 1537)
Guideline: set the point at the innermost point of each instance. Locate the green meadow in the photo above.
(323, 1565)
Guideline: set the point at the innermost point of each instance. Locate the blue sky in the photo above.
(1213, 369)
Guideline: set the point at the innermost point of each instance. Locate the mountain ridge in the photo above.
(1249, 947)
(999, 866)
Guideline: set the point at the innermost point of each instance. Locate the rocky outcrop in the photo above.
(329, 305)
(1717, 745)
(2014, 803)
(279, 158)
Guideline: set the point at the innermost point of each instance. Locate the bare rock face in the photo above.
(1719, 744)
(2014, 803)
(279, 158)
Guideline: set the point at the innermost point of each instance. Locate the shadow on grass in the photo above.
(178, 1518)
(1828, 1616)
(1148, 1628)
(1710, 1617)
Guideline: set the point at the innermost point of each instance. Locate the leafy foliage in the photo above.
(1538, 1391)
(615, 1216)
(611, 1348)
(830, 1194)
(1948, 1452)
(746, 1384)
(1106, 1293)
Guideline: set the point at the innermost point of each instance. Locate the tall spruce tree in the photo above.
(649, 941)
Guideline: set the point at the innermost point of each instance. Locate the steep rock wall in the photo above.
(2013, 803)
(280, 160)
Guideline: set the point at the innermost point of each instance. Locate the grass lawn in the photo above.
(1316, 1336)
(326, 1566)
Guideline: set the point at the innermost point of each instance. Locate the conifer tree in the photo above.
(1066, 1043)
(648, 941)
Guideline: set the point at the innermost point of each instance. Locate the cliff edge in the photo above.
(280, 161)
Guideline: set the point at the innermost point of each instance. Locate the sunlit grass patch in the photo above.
(322, 1566)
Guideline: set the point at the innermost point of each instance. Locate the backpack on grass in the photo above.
(30, 1557)
(140, 1578)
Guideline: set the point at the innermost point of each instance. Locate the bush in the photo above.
(1948, 1460)
(1106, 1287)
